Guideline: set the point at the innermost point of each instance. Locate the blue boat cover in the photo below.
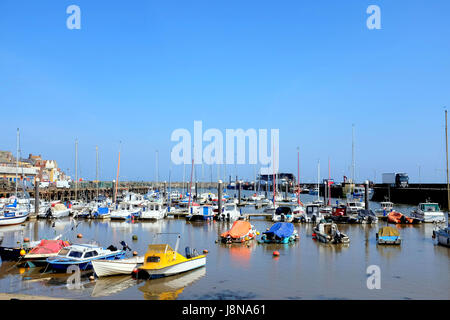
(102, 210)
(281, 229)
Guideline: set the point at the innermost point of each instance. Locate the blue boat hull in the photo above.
(62, 265)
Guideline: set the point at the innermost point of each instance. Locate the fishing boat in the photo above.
(104, 268)
(328, 232)
(230, 212)
(45, 249)
(385, 208)
(442, 235)
(154, 211)
(240, 232)
(367, 216)
(280, 232)
(82, 255)
(283, 214)
(399, 218)
(388, 235)
(163, 261)
(428, 212)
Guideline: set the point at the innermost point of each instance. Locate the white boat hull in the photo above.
(105, 268)
(7, 221)
(178, 268)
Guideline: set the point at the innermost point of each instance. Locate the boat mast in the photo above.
(117, 178)
(17, 160)
(353, 153)
(298, 175)
(318, 180)
(96, 168)
(190, 186)
(328, 184)
(446, 153)
(76, 169)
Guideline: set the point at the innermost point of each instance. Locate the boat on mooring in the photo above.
(82, 255)
(240, 232)
(280, 232)
(328, 232)
(442, 235)
(162, 261)
(103, 268)
(388, 235)
(13, 214)
(428, 212)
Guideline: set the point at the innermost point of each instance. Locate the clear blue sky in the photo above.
(137, 70)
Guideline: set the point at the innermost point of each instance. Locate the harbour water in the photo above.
(307, 269)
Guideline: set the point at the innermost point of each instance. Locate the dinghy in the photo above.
(280, 232)
(240, 232)
(397, 217)
(103, 268)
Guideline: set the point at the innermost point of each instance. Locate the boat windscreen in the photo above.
(431, 207)
(75, 254)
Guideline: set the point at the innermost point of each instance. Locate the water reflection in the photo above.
(169, 288)
(107, 286)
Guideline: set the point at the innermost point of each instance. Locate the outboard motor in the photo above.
(188, 252)
(125, 246)
(313, 218)
(282, 217)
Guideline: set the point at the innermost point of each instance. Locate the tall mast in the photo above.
(298, 175)
(446, 153)
(318, 180)
(328, 183)
(353, 153)
(117, 178)
(76, 169)
(96, 168)
(190, 186)
(157, 169)
(17, 160)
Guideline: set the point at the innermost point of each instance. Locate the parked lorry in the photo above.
(399, 180)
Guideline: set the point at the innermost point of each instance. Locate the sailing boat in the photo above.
(14, 212)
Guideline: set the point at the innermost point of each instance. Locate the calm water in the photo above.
(418, 269)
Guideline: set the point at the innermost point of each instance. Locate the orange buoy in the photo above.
(26, 239)
(205, 251)
(23, 252)
(79, 235)
(276, 253)
(135, 253)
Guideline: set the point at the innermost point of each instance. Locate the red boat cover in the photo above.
(49, 246)
(239, 229)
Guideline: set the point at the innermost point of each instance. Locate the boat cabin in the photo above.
(78, 252)
(429, 207)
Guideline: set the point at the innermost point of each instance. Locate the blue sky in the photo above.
(137, 70)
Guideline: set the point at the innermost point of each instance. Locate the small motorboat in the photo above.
(399, 218)
(385, 208)
(163, 261)
(442, 235)
(82, 256)
(104, 268)
(328, 232)
(388, 235)
(230, 212)
(200, 213)
(283, 214)
(56, 210)
(280, 232)
(45, 249)
(240, 232)
(16, 253)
